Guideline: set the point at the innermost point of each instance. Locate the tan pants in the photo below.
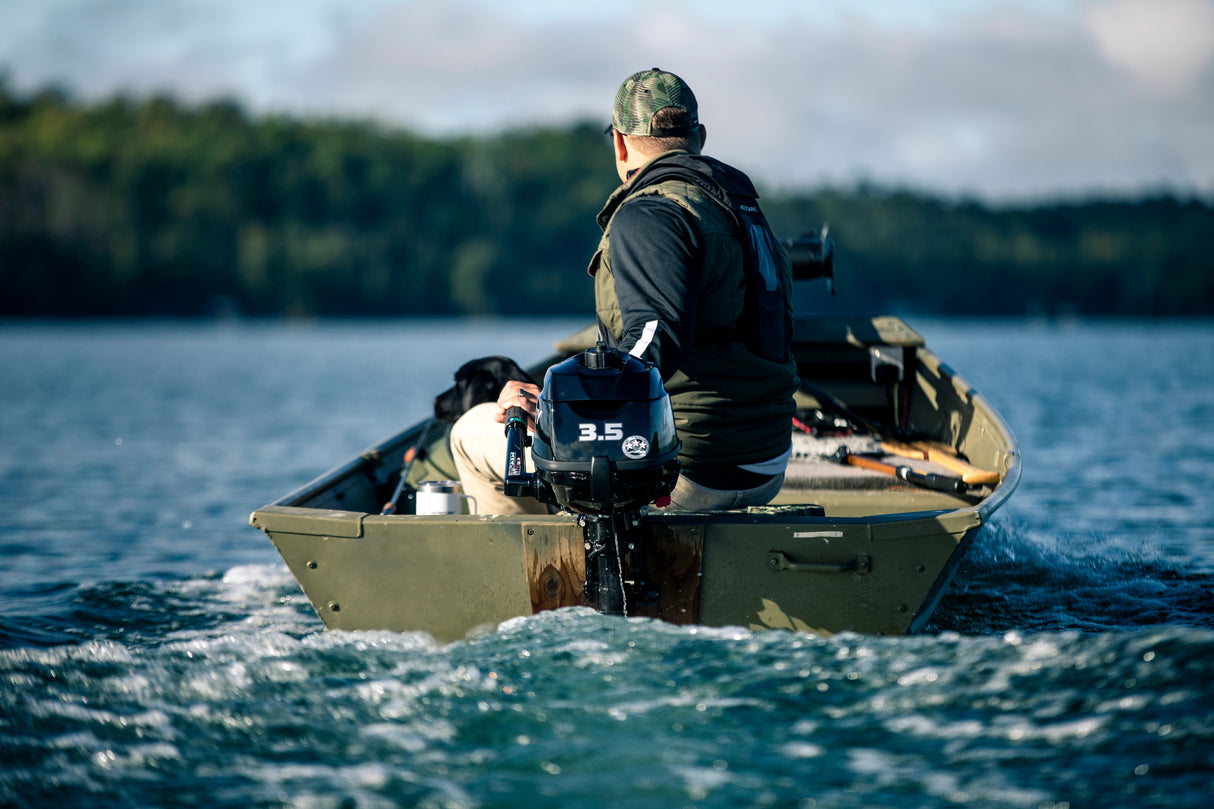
(478, 444)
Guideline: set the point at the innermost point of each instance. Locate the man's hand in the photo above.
(518, 394)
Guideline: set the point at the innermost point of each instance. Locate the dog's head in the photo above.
(477, 381)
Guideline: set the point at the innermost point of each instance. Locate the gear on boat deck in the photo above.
(817, 475)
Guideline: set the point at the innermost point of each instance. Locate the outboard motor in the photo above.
(605, 447)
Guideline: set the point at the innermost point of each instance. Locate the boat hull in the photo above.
(872, 557)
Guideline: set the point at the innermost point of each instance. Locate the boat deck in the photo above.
(815, 476)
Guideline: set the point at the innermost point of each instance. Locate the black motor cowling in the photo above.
(605, 439)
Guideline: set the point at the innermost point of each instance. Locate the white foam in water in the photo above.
(700, 782)
(415, 737)
(257, 577)
(798, 750)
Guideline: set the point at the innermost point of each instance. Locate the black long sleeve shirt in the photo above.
(655, 259)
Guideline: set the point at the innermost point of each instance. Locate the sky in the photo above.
(1003, 100)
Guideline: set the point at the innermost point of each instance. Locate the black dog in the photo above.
(477, 381)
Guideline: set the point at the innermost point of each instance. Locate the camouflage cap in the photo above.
(643, 94)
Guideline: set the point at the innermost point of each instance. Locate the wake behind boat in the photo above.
(897, 464)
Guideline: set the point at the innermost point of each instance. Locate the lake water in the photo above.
(154, 651)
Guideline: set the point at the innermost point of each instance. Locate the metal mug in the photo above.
(442, 497)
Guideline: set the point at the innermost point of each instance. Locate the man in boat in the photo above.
(689, 277)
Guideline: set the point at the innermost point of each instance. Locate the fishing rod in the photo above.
(945, 456)
(908, 447)
(419, 449)
(857, 421)
(927, 480)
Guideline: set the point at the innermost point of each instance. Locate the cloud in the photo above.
(1008, 100)
(460, 66)
(1165, 44)
(998, 104)
(1003, 99)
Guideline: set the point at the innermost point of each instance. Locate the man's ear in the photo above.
(621, 148)
(703, 135)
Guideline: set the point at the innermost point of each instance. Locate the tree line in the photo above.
(152, 207)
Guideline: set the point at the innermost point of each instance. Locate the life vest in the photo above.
(733, 393)
(766, 320)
